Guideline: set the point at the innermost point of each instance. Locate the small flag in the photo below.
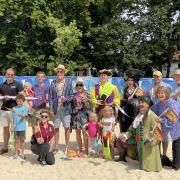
(158, 135)
(139, 92)
(170, 115)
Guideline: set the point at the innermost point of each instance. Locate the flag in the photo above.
(139, 92)
(170, 115)
(158, 135)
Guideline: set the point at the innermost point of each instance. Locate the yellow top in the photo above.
(106, 89)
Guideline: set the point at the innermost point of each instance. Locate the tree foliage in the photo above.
(91, 33)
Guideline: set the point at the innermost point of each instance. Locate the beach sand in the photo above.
(76, 168)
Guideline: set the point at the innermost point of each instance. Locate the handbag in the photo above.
(33, 140)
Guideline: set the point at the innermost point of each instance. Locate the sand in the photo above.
(76, 168)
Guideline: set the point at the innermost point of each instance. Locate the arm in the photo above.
(93, 98)
(117, 97)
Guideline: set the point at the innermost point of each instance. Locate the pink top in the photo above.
(92, 129)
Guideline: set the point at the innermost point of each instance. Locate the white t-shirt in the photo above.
(108, 128)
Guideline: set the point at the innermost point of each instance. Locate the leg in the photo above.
(85, 140)
(67, 136)
(22, 147)
(56, 137)
(176, 154)
(6, 136)
(41, 149)
(17, 146)
(79, 139)
(165, 147)
(66, 123)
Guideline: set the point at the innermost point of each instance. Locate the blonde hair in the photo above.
(164, 89)
(92, 114)
(27, 84)
(108, 108)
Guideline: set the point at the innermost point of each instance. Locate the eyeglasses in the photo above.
(44, 116)
(60, 72)
(79, 85)
(10, 74)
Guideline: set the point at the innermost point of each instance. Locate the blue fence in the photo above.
(145, 83)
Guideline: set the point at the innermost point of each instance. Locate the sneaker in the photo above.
(23, 157)
(55, 151)
(15, 156)
(2, 151)
(43, 162)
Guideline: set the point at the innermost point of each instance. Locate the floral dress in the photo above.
(80, 109)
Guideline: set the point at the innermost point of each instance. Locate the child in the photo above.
(29, 93)
(108, 125)
(93, 127)
(18, 125)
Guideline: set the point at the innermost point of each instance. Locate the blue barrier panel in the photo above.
(145, 83)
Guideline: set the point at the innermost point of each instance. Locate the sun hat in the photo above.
(105, 71)
(157, 73)
(62, 67)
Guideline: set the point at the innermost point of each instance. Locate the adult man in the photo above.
(104, 92)
(157, 78)
(176, 94)
(8, 88)
(60, 90)
(41, 92)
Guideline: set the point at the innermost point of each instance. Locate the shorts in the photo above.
(19, 135)
(61, 117)
(5, 118)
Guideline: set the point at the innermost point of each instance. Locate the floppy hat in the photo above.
(60, 66)
(105, 71)
(157, 73)
(79, 80)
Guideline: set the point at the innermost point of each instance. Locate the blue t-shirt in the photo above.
(19, 124)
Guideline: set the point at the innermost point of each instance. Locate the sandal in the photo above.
(3, 151)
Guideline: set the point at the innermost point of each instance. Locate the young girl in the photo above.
(92, 127)
(108, 125)
(29, 93)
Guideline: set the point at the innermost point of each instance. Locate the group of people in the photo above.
(142, 117)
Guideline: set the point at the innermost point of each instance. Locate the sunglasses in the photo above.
(79, 85)
(10, 74)
(60, 72)
(44, 116)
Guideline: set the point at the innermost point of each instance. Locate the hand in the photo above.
(150, 136)
(122, 137)
(52, 113)
(21, 116)
(159, 120)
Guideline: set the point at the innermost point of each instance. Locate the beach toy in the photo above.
(106, 149)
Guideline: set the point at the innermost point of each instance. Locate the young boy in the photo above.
(18, 125)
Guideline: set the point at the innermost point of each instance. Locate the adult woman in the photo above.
(42, 142)
(170, 128)
(129, 101)
(80, 108)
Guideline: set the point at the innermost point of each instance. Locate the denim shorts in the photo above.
(62, 117)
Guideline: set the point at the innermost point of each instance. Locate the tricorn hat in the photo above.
(105, 71)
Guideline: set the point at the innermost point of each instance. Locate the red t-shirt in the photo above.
(46, 133)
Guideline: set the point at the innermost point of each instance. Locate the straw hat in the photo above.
(60, 66)
(105, 71)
